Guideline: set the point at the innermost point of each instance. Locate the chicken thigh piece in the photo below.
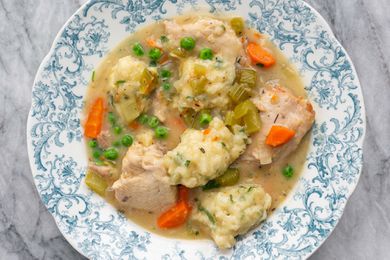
(143, 183)
(278, 106)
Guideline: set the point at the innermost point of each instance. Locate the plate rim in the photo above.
(327, 28)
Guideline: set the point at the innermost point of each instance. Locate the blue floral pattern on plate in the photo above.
(97, 230)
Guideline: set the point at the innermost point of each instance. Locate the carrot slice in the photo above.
(94, 123)
(259, 55)
(151, 42)
(206, 131)
(134, 125)
(279, 135)
(175, 216)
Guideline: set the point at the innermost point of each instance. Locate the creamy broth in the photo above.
(269, 177)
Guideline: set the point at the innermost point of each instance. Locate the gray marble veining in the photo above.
(27, 28)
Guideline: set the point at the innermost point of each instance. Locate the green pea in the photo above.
(187, 43)
(117, 130)
(206, 54)
(155, 54)
(111, 153)
(288, 171)
(96, 154)
(138, 49)
(166, 86)
(165, 73)
(153, 122)
(92, 143)
(143, 119)
(161, 132)
(127, 140)
(205, 118)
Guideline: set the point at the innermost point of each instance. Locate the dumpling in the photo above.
(203, 155)
(130, 82)
(231, 211)
(204, 84)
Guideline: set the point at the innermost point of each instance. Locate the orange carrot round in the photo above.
(175, 216)
(259, 55)
(94, 123)
(279, 135)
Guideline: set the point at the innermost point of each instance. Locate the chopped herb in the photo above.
(120, 82)
(164, 38)
(196, 233)
(260, 65)
(205, 118)
(213, 184)
(93, 76)
(231, 198)
(223, 144)
(249, 189)
(153, 63)
(179, 158)
(276, 118)
(187, 163)
(208, 214)
(202, 150)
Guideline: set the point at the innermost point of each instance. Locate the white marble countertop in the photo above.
(27, 29)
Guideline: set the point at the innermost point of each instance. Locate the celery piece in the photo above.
(229, 178)
(239, 92)
(147, 79)
(237, 24)
(96, 183)
(246, 76)
(198, 85)
(252, 121)
(178, 53)
(242, 109)
(199, 70)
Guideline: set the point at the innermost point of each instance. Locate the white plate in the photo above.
(97, 230)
